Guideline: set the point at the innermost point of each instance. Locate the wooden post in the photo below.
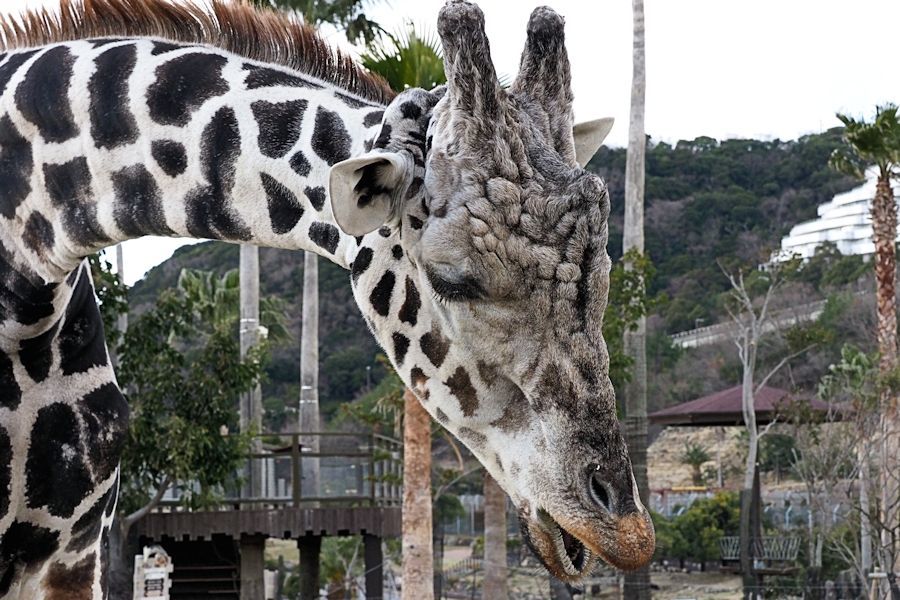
(310, 547)
(253, 549)
(374, 560)
(296, 471)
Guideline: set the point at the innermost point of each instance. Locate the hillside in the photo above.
(706, 201)
(730, 201)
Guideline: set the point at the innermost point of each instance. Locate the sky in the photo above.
(764, 69)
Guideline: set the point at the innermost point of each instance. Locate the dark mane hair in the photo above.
(255, 33)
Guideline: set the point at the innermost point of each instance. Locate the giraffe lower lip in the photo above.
(570, 553)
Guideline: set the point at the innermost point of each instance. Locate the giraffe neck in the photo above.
(112, 140)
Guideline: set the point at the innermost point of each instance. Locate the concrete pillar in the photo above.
(374, 560)
(253, 549)
(310, 547)
(251, 402)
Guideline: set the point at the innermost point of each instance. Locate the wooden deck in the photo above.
(359, 486)
(287, 522)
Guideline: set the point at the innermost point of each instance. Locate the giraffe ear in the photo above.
(589, 137)
(363, 190)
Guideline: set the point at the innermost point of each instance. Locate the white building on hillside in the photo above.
(844, 220)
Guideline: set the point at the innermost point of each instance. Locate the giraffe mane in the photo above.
(256, 33)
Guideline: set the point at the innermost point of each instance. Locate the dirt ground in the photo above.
(706, 586)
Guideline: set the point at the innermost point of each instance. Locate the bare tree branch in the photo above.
(142, 512)
(777, 367)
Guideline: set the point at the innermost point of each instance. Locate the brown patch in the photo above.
(488, 373)
(419, 383)
(70, 583)
(515, 415)
(472, 438)
(441, 416)
(461, 386)
(265, 35)
(435, 346)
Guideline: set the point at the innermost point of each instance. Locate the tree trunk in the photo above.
(122, 321)
(308, 413)
(884, 230)
(251, 402)
(637, 583)
(121, 562)
(418, 565)
(748, 406)
(494, 540)
(865, 524)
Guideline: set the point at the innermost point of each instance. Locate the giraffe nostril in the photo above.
(599, 492)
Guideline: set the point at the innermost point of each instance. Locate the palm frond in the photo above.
(407, 59)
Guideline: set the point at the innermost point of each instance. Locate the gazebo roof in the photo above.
(724, 408)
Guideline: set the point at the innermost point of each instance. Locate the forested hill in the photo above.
(705, 201)
(730, 201)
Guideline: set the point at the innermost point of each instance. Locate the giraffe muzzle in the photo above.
(570, 549)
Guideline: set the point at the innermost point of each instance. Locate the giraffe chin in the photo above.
(570, 552)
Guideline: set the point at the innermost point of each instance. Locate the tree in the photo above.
(637, 583)
(695, 456)
(179, 368)
(347, 15)
(418, 554)
(853, 384)
(494, 539)
(878, 143)
(407, 59)
(309, 369)
(752, 321)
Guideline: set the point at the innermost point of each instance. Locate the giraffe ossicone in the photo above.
(475, 241)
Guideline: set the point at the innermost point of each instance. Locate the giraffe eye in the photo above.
(467, 288)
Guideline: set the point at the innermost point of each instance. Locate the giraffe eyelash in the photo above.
(446, 291)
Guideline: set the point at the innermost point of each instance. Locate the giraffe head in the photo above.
(484, 274)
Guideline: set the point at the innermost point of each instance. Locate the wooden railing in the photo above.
(355, 469)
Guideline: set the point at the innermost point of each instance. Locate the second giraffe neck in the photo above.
(144, 137)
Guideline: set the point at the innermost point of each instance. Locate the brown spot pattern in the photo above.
(515, 415)
(472, 438)
(435, 346)
(70, 583)
(461, 386)
(419, 382)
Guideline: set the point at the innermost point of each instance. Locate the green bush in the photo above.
(695, 533)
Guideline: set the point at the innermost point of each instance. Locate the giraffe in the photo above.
(475, 241)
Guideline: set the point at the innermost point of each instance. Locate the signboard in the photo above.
(152, 574)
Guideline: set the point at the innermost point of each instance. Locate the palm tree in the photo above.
(494, 540)
(878, 143)
(637, 583)
(251, 401)
(695, 456)
(346, 15)
(410, 60)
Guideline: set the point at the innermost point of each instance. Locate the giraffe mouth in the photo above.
(561, 552)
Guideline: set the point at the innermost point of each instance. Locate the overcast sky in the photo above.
(724, 68)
